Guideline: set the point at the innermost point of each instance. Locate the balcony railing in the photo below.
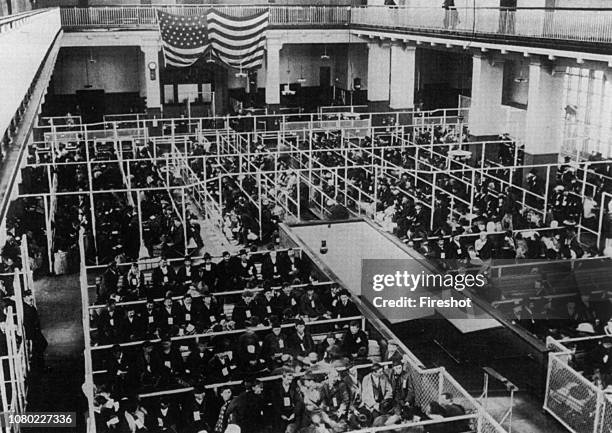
(594, 25)
(584, 25)
(145, 16)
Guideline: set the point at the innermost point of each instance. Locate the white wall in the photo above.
(114, 69)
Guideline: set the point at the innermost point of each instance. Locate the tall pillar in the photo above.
(379, 69)
(151, 79)
(403, 64)
(273, 73)
(486, 116)
(544, 123)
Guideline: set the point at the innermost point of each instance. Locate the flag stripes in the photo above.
(235, 42)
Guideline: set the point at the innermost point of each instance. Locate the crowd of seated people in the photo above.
(328, 381)
(327, 400)
(263, 368)
(238, 194)
(497, 229)
(116, 219)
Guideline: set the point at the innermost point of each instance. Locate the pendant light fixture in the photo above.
(521, 78)
(301, 80)
(324, 56)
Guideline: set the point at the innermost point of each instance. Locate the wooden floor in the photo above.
(58, 388)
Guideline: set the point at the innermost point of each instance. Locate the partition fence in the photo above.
(574, 400)
(15, 362)
(196, 180)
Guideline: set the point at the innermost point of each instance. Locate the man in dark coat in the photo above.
(246, 410)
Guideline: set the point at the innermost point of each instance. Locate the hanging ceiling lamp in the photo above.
(521, 78)
(324, 56)
(301, 80)
(241, 73)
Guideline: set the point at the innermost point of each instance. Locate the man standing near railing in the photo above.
(451, 16)
(507, 16)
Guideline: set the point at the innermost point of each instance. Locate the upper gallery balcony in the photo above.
(562, 28)
(572, 28)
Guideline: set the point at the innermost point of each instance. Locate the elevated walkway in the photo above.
(24, 77)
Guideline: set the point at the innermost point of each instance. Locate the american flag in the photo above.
(184, 38)
(235, 42)
(238, 42)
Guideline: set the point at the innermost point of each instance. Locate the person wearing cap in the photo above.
(146, 367)
(169, 316)
(149, 315)
(329, 349)
(292, 265)
(344, 306)
(171, 364)
(225, 272)
(110, 277)
(247, 409)
(287, 298)
(164, 417)
(264, 302)
(221, 368)
(335, 399)
(375, 389)
(132, 328)
(244, 309)
(198, 411)
(271, 268)
(197, 361)
(329, 298)
(186, 277)
(118, 366)
(109, 323)
(164, 279)
(33, 331)
(310, 304)
(244, 269)
(287, 403)
(190, 316)
(134, 284)
(402, 384)
(174, 244)
(208, 274)
(300, 342)
(211, 312)
(248, 350)
(354, 338)
(274, 344)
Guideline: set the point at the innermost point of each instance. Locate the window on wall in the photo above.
(179, 94)
(169, 94)
(588, 102)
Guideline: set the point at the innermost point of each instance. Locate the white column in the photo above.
(403, 63)
(486, 116)
(151, 81)
(273, 71)
(379, 69)
(544, 123)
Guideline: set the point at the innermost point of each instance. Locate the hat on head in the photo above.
(585, 327)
